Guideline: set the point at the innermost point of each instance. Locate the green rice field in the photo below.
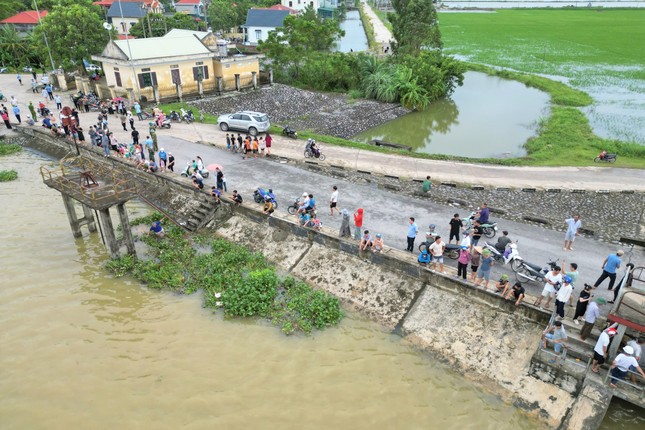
(599, 51)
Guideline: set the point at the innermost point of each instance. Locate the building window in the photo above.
(258, 35)
(123, 27)
(175, 76)
(117, 78)
(290, 4)
(147, 79)
(200, 73)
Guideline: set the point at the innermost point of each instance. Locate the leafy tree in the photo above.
(224, 14)
(14, 50)
(415, 26)
(300, 38)
(156, 24)
(10, 7)
(74, 29)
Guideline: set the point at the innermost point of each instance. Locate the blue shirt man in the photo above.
(609, 266)
(412, 234)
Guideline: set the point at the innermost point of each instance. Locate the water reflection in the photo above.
(486, 117)
(354, 39)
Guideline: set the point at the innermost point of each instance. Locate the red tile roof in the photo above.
(108, 3)
(278, 7)
(188, 2)
(123, 36)
(26, 17)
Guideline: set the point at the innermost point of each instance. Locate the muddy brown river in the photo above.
(81, 349)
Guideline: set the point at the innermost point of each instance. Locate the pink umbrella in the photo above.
(212, 167)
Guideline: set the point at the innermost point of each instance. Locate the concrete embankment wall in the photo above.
(487, 339)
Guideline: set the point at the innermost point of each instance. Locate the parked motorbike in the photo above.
(289, 132)
(510, 255)
(164, 124)
(607, 158)
(188, 171)
(489, 229)
(174, 116)
(451, 250)
(529, 272)
(260, 193)
(315, 153)
(188, 116)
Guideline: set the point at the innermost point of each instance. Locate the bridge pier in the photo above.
(114, 244)
(74, 221)
(589, 408)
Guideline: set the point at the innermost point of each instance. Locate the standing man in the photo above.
(564, 293)
(151, 150)
(16, 112)
(59, 102)
(412, 234)
(19, 79)
(477, 232)
(600, 350)
(609, 267)
(455, 227)
(219, 179)
(592, 314)
(573, 224)
(135, 136)
(32, 109)
(333, 201)
(552, 279)
(436, 251)
(137, 110)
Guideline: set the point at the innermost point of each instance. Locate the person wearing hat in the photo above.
(483, 274)
(163, 159)
(502, 285)
(378, 243)
(600, 350)
(562, 296)
(591, 315)
(609, 267)
(583, 302)
(622, 363)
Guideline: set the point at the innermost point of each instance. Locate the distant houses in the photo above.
(300, 5)
(23, 22)
(124, 15)
(259, 22)
(190, 7)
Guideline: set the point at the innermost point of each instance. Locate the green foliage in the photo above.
(415, 26)
(10, 7)
(9, 148)
(156, 24)
(303, 308)
(254, 296)
(300, 39)
(226, 15)
(8, 175)
(15, 51)
(74, 29)
(230, 276)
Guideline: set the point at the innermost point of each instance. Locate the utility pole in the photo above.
(45, 37)
(127, 41)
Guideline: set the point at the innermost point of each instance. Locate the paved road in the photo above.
(387, 212)
(382, 34)
(590, 178)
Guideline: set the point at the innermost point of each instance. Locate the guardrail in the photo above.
(640, 388)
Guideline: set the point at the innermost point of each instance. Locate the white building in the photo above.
(300, 5)
(123, 15)
(191, 7)
(259, 22)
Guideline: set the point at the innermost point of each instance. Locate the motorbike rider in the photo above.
(502, 242)
(483, 214)
(311, 146)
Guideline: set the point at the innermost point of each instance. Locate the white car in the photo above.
(92, 68)
(250, 122)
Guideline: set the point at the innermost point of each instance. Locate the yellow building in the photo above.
(181, 63)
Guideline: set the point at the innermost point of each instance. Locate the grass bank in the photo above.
(9, 148)
(231, 277)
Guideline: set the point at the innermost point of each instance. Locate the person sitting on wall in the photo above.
(424, 257)
(236, 197)
(366, 241)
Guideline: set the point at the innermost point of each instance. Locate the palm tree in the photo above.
(14, 50)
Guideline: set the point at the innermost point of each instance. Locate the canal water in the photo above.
(486, 117)
(354, 39)
(81, 349)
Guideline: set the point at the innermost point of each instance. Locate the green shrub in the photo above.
(8, 175)
(9, 148)
(253, 296)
